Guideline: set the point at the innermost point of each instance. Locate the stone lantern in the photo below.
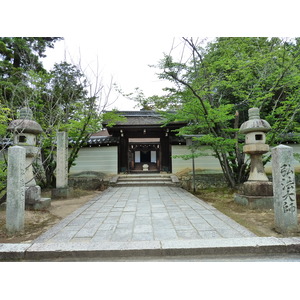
(25, 131)
(257, 192)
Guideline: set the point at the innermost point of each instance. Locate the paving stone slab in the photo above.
(142, 236)
(86, 232)
(165, 234)
(190, 211)
(127, 218)
(209, 234)
(101, 236)
(111, 220)
(143, 228)
(107, 227)
(188, 234)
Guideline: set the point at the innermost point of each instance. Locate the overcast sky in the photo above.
(125, 60)
(127, 36)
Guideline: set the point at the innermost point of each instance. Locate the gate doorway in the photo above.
(144, 151)
(145, 156)
(147, 131)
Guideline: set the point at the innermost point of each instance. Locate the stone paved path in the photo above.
(144, 214)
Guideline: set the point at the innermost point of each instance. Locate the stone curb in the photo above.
(13, 251)
(230, 246)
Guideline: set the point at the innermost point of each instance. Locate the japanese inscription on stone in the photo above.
(284, 189)
(15, 202)
(288, 188)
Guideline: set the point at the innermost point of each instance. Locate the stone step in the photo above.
(145, 180)
(154, 175)
(145, 183)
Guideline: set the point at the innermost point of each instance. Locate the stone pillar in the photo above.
(62, 160)
(284, 190)
(62, 189)
(15, 201)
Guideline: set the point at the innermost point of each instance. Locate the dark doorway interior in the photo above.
(145, 156)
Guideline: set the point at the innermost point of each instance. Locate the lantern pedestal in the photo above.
(25, 131)
(256, 194)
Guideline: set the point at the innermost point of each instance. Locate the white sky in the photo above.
(127, 36)
(125, 60)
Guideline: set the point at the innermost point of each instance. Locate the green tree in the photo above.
(61, 100)
(18, 57)
(213, 90)
(4, 112)
(24, 52)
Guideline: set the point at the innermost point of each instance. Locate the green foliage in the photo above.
(3, 175)
(190, 156)
(110, 118)
(4, 119)
(24, 52)
(213, 90)
(59, 99)
(297, 156)
(148, 103)
(19, 59)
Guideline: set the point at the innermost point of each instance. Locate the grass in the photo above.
(259, 221)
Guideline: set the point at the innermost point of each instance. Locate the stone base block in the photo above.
(41, 204)
(32, 194)
(60, 193)
(255, 202)
(289, 230)
(257, 188)
(33, 199)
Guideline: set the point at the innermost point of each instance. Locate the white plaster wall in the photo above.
(105, 159)
(204, 162)
(296, 149)
(210, 162)
(98, 159)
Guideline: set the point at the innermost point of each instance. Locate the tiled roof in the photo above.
(139, 113)
(102, 132)
(101, 140)
(143, 117)
(141, 121)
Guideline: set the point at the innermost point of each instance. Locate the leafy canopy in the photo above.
(218, 82)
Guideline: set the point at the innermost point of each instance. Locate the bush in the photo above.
(3, 174)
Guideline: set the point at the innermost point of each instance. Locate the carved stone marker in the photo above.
(62, 189)
(15, 201)
(284, 190)
(62, 160)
